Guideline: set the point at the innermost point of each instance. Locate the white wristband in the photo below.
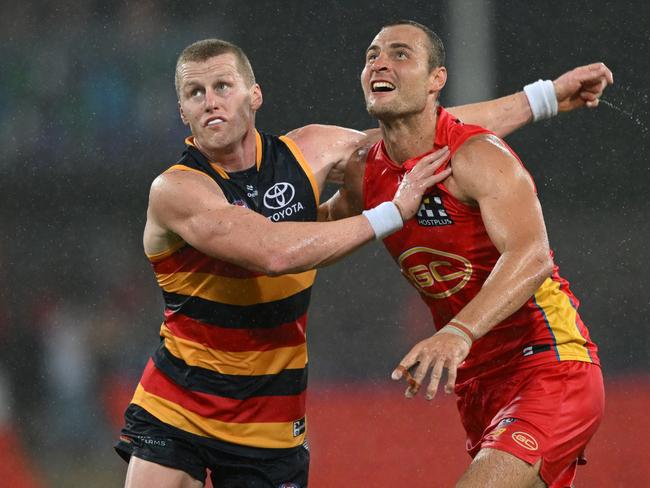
(542, 99)
(384, 219)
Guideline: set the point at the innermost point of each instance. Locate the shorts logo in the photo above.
(507, 421)
(497, 432)
(437, 274)
(299, 427)
(432, 212)
(525, 440)
(279, 196)
(289, 485)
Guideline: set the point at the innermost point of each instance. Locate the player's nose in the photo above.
(380, 63)
(212, 101)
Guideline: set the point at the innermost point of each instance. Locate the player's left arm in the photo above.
(580, 87)
(485, 172)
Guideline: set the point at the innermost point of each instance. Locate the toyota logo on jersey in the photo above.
(279, 196)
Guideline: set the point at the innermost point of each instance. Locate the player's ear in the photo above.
(256, 97)
(180, 111)
(437, 79)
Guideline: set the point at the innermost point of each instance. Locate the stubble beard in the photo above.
(393, 110)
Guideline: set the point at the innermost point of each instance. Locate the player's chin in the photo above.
(380, 110)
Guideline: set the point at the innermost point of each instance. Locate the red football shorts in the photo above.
(549, 412)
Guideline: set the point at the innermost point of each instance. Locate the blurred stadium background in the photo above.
(88, 118)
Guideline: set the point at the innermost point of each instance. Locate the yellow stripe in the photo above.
(267, 434)
(158, 256)
(258, 149)
(236, 291)
(189, 141)
(295, 150)
(247, 363)
(561, 317)
(220, 170)
(182, 167)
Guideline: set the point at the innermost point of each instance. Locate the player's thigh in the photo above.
(492, 468)
(145, 474)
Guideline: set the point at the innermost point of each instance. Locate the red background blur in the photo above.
(371, 436)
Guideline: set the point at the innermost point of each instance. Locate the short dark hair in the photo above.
(436, 47)
(209, 48)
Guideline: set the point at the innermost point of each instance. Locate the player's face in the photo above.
(216, 103)
(396, 80)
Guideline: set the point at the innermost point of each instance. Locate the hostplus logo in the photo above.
(432, 212)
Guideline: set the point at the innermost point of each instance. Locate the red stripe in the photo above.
(255, 409)
(189, 260)
(234, 340)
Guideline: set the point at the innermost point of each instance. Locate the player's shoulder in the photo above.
(179, 179)
(482, 150)
(485, 162)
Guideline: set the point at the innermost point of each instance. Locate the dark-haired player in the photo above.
(516, 352)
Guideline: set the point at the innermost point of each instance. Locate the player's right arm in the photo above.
(187, 206)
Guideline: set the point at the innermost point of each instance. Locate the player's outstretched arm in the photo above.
(485, 172)
(190, 207)
(580, 87)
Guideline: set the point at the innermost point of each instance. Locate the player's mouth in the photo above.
(381, 86)
(214, 121)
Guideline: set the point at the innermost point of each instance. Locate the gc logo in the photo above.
(525, 440)
(424, 268)
(279, 195)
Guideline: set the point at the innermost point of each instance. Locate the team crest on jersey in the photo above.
(239, 203)
(435, 273)
(432, 212)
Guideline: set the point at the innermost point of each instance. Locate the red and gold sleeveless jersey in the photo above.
(446, 253)
(232, 360)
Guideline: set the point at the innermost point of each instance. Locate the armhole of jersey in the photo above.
(159, 256)
(182, 167)
(295, 150)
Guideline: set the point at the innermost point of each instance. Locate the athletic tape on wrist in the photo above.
(384, 219)
(454, 329)
(464, 327)
(542, 99)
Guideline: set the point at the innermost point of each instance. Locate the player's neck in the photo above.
(238, 156)
(409, 136)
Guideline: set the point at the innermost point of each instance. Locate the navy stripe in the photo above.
(260, 315)
(140, 423)
(287, 383)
